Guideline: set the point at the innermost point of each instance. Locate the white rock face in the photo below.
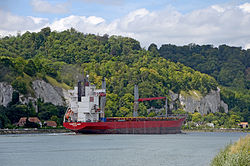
(66, 96)
(224, 105)
(209, 103)
(47, 92)
(25, 100)
(42, 90)
(174, 97)
(5, 93)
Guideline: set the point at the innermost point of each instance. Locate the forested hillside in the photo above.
(62, 56)
(230, 66)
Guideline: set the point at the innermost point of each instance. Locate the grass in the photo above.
(27, 79)
(193, 93)
(53, 82)
(237, 154)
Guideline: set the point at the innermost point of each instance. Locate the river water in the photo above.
(191, 149)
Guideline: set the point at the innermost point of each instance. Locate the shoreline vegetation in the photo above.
(215, 130)
(237, 154)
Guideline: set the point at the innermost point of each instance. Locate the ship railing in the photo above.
(169, 117)
(177, 115)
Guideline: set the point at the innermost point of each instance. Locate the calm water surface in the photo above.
(191, 149)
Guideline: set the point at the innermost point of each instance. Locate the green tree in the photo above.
(30, 68)
(20, 85)
(179, 111)
(209, 118)
(152, 114)
(124, 112)
(196, 117)
(15, 112)
(4, 120)
(55, 118)
(234, 120)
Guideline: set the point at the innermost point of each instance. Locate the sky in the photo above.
(178, 22)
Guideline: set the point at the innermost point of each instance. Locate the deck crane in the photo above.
(137, 100)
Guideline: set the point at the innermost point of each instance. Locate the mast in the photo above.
(103, 98)
(136, 102)
(166, 106)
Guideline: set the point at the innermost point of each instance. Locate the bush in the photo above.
(20, 85)
(234, 155)
(3, 119)
(30, 68)
(29, 124)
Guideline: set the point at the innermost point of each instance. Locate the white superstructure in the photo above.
(86, 103)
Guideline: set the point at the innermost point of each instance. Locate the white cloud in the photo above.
(247, 46)
(11, 24)
(84, 24)
(43, 6)
(213, 25)
(218, 8)
(245, 7)
(38, 20)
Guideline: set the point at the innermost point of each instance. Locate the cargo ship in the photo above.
(85, 114)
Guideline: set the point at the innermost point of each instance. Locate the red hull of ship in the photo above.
(127, 127)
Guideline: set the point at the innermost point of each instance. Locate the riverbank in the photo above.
(234, 154)
(214, 130)
(40, 131)
(32, 131)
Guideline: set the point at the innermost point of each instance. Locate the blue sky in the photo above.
(165, 21)
(108, 9)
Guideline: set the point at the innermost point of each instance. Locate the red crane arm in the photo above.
(152, 98)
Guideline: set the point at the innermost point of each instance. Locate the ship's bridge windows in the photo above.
(91, 99)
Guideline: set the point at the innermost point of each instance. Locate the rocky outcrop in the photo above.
(47, 92)
(42, 89)
(6, 91)
(67, 96)
(204, 105)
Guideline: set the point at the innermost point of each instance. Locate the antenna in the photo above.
(83, 74)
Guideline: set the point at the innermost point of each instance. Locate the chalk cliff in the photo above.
(6, 91)
(193, 101)
(48, 93)
(42, 89)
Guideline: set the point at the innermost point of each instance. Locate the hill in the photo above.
(60, 57)
(230, 66)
